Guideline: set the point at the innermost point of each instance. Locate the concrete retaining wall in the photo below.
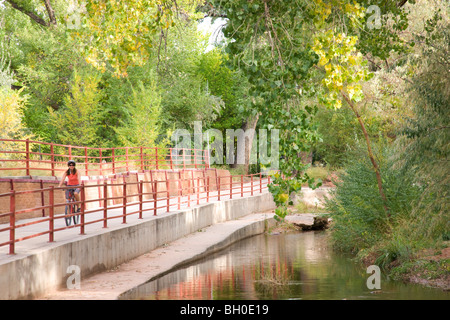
(33, 275)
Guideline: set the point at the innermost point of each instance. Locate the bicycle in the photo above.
(70, 208)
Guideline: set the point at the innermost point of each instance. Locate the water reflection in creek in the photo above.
(285, 266)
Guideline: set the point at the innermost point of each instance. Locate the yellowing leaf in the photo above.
(283, 197)
(323, 61)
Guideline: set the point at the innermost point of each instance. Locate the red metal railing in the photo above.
(151, 196)
(46, 158)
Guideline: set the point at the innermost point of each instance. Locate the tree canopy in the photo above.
(330, 74)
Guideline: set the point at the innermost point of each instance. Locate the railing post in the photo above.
(101, 161)
(142, 159)
(124, 193)
(207, 189)
(167, 191)
(156, 156)
(126, 158)
(113, 161)
(41, 184)
(189, 192)
(260, 182)
(105, 204)
(217, 181)
(251, 184)
(218, 189)
(195, 158)
(83, 209)
(231, 186)
(242, 185)
(141, 191)
(86, 160)
(171, 163)
(52, 155)
(181, 182)
(198, 190)
(51, 214)
(155, 197)
(12, 221)
(206, 159)
(204, 182)
(27, 156)
(180, 190)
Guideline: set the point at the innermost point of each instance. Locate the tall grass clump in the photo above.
(360, 223)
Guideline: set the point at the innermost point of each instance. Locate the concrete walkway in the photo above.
(109, 285)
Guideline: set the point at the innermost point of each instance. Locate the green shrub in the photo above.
(359, 219)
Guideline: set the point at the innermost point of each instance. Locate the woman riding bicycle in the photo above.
(73, 180)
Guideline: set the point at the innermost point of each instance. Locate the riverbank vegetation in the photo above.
(358, 89)
(415, 170)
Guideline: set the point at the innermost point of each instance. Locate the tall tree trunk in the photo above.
(249, 123)
(371, 156)
(51, 12)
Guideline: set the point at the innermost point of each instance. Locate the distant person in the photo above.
(74, 180)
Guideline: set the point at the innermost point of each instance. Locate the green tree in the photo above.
(114, 35)
(78, 121)
(185, 92)
(12, 104)
(425, 143)
(42, 59)
(271, 42)
(230, 86)
(13, 98)
(142, 124)
(11, 113)
(338, 132)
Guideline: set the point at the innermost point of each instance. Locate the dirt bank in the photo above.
(428, 268)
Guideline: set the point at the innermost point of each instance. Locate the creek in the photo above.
(299, 265)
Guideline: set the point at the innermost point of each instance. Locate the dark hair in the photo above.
(74, 171)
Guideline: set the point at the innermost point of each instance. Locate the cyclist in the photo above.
(73, 180)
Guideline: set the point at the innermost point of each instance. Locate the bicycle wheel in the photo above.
(76, 217)
(70, 208)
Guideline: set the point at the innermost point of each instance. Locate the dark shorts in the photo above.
(75, 190)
